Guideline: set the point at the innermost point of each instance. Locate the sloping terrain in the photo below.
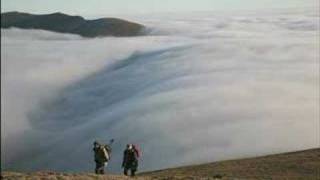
(63, 23)
(295, 165)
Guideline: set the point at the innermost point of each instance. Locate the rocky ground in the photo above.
(295, 165)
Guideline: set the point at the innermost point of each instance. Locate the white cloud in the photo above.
(201, 88)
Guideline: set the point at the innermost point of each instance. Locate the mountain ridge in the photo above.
(64, 23)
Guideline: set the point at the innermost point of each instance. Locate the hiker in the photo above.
(130, 159)
(101, 156)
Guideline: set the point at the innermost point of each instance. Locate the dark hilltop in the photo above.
(63, 23)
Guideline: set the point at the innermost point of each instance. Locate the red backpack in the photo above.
(137, 151)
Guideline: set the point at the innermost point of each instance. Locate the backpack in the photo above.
(101, 154)
(137, 151)
(104, 153)
(108, 149)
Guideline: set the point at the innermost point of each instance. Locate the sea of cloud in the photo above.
(201, 87)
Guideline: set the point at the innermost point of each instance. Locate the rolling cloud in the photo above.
(199, 88)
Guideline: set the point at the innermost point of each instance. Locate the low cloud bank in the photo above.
(200, 88)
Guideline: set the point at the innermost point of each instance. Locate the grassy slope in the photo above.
(295, 165)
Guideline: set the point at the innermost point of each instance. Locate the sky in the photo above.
(84, 7)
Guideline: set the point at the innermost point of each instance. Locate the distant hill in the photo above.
(63, 23)
(295, 165)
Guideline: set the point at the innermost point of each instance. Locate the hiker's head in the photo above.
(95, 143)
(129, 146)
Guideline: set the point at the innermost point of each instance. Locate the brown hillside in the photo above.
(294, 165)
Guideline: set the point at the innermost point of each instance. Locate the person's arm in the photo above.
(124, 158)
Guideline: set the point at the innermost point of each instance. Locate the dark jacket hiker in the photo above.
(130, 160)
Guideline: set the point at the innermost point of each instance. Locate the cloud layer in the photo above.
(200, 88)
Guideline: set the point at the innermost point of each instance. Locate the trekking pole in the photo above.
(111, 142)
